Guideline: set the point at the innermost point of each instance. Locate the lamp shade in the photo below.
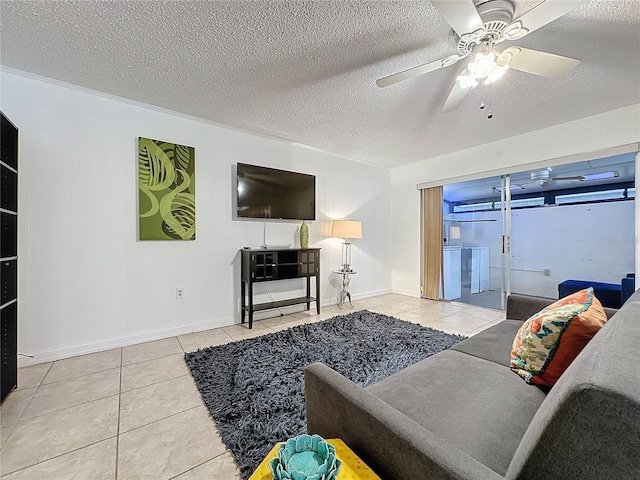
(346, 229)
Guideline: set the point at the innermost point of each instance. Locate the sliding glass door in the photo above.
(532, 232)
(505, 223)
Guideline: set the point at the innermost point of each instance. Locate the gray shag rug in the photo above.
(254, 389)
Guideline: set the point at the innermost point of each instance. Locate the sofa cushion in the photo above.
(493, 344)
(475, 405)
(547, 343)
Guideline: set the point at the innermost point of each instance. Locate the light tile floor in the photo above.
(135, 413)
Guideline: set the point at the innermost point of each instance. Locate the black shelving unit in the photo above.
(8, 256)
(266, 265)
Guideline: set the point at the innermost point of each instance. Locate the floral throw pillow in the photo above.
(548, 341)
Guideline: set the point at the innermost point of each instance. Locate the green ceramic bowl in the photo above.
(305, 457)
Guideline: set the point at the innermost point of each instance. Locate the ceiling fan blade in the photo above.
(546, 12)
(589, 177)
(600, 176)
(577, 177)
(461, 15)
(415, 71)
(541, 63)
(455, 98)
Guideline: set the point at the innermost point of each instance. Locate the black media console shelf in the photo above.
(8, 257)
(266, 265)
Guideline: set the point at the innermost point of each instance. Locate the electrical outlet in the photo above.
(547, 272)
(179, 293)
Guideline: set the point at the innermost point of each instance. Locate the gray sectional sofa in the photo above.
(463, 414)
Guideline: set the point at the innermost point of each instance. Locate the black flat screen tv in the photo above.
(271, 193)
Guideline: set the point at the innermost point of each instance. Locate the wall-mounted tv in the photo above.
(271, 193)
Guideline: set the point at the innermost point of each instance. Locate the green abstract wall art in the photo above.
(166, 180)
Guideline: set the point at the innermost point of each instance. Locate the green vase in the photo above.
(304, 235)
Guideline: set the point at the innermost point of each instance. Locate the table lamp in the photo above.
(347, 229)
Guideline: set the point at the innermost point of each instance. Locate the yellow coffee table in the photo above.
(352, 467)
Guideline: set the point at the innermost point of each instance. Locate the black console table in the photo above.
(266, 265)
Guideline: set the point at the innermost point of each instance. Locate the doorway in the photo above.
(474, 259)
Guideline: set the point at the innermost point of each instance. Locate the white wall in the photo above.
(578, 242)
(86, 283)
(595, 133)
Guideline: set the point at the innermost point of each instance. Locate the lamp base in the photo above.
(346, 255)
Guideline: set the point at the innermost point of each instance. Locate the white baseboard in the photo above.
(409, 293)
(53, 355)
(219, 323)
(375, 293)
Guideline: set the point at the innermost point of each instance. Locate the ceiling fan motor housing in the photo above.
(496, 10)
(541, 176)
(496, 16)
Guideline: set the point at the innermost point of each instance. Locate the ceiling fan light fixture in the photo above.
(483, 64)
(466, 81)
(496, 74)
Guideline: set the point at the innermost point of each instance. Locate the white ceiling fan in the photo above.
(483, 26)
(543, 178)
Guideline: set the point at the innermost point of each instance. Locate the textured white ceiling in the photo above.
(305, 71)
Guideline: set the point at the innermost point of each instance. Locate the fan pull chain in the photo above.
(482, 105)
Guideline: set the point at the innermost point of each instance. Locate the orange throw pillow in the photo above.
(548, 341)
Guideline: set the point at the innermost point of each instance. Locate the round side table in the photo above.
(345, 293)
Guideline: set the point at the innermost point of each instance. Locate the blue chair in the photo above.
(609, 294)
(628, 287)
